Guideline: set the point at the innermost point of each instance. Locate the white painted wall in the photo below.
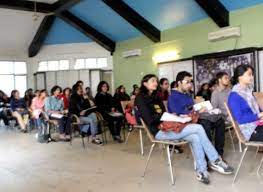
(170, 70)
(260, 56)
(69, 52)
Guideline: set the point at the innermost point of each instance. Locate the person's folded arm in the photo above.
(145, 112)
(235, 102)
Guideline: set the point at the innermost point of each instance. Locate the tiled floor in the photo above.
(26, 165)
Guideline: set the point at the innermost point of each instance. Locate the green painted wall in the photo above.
(188, 40)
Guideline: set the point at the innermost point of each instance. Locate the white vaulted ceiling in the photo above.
(17, 31)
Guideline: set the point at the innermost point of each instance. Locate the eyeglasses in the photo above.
(187, 81)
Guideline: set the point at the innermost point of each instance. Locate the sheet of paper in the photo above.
(171, 117)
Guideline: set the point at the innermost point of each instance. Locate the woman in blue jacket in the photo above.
(244, 106)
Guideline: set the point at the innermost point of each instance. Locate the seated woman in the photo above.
(78, 105)
(36, 93)
(37, 107)
(151, 109)
(3, 105)
(205, 92)
(135, 92)
(19, 110)
(55, 110)
(88, 95)
(119, 96)
(107, 108)
(29, 95)
(65, 97)
(244, 106)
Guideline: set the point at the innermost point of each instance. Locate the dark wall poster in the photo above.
(206, 69)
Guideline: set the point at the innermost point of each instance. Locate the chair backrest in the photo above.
(165, 103)
(99, 116)
(259, 98)
(235, 125)
(149, 134)
(124, 104)
(75, 119)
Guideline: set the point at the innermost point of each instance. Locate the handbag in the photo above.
(211, 117)
(177, 126)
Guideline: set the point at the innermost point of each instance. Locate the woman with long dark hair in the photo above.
(163, 92)
(106, 106)
(37, 107)
(65, 96)
(29, 95)
(120, 95)
(78, 106)
(19, 110)
(243, 104)
(151, 109)
(204, 92)
(88, 95)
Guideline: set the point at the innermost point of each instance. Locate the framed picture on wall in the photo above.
(205, 69)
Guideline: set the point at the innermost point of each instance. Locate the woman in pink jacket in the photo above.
(37, 106)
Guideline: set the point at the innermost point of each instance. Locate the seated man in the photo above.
(221, 93)
(181, 103)
(78, 106)
(55, 110)
(19, 110)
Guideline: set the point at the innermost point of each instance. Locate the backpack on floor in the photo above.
(43, 134)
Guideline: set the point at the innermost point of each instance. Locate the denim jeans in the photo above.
(37, 123)
(89, 122)
(219, 129)
(201, 145)
(63, 124)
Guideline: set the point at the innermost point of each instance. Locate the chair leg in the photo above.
(191, 149)
(256, 152)
(232, 141)
(71, 137)
(261, 162)
(170, 164)
(83, 142)
(240, 163)
(70, 142)
(127, 138)
(240, 147)
(124, 136)
(104, 136)
(172, 152)
(148, 159)
(141, 142)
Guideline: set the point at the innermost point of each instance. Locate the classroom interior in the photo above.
(44, 43)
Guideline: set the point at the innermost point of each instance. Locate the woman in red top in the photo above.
(65, 97)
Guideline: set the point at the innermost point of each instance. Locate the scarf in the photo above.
(247, 94)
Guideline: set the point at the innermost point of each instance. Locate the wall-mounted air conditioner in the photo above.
(132, 53)
(224, 33)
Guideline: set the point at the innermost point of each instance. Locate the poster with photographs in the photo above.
(205, 70)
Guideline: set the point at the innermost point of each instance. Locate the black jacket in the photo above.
(77, 103)
(150, 109)
(118, 97)
(104, 102)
